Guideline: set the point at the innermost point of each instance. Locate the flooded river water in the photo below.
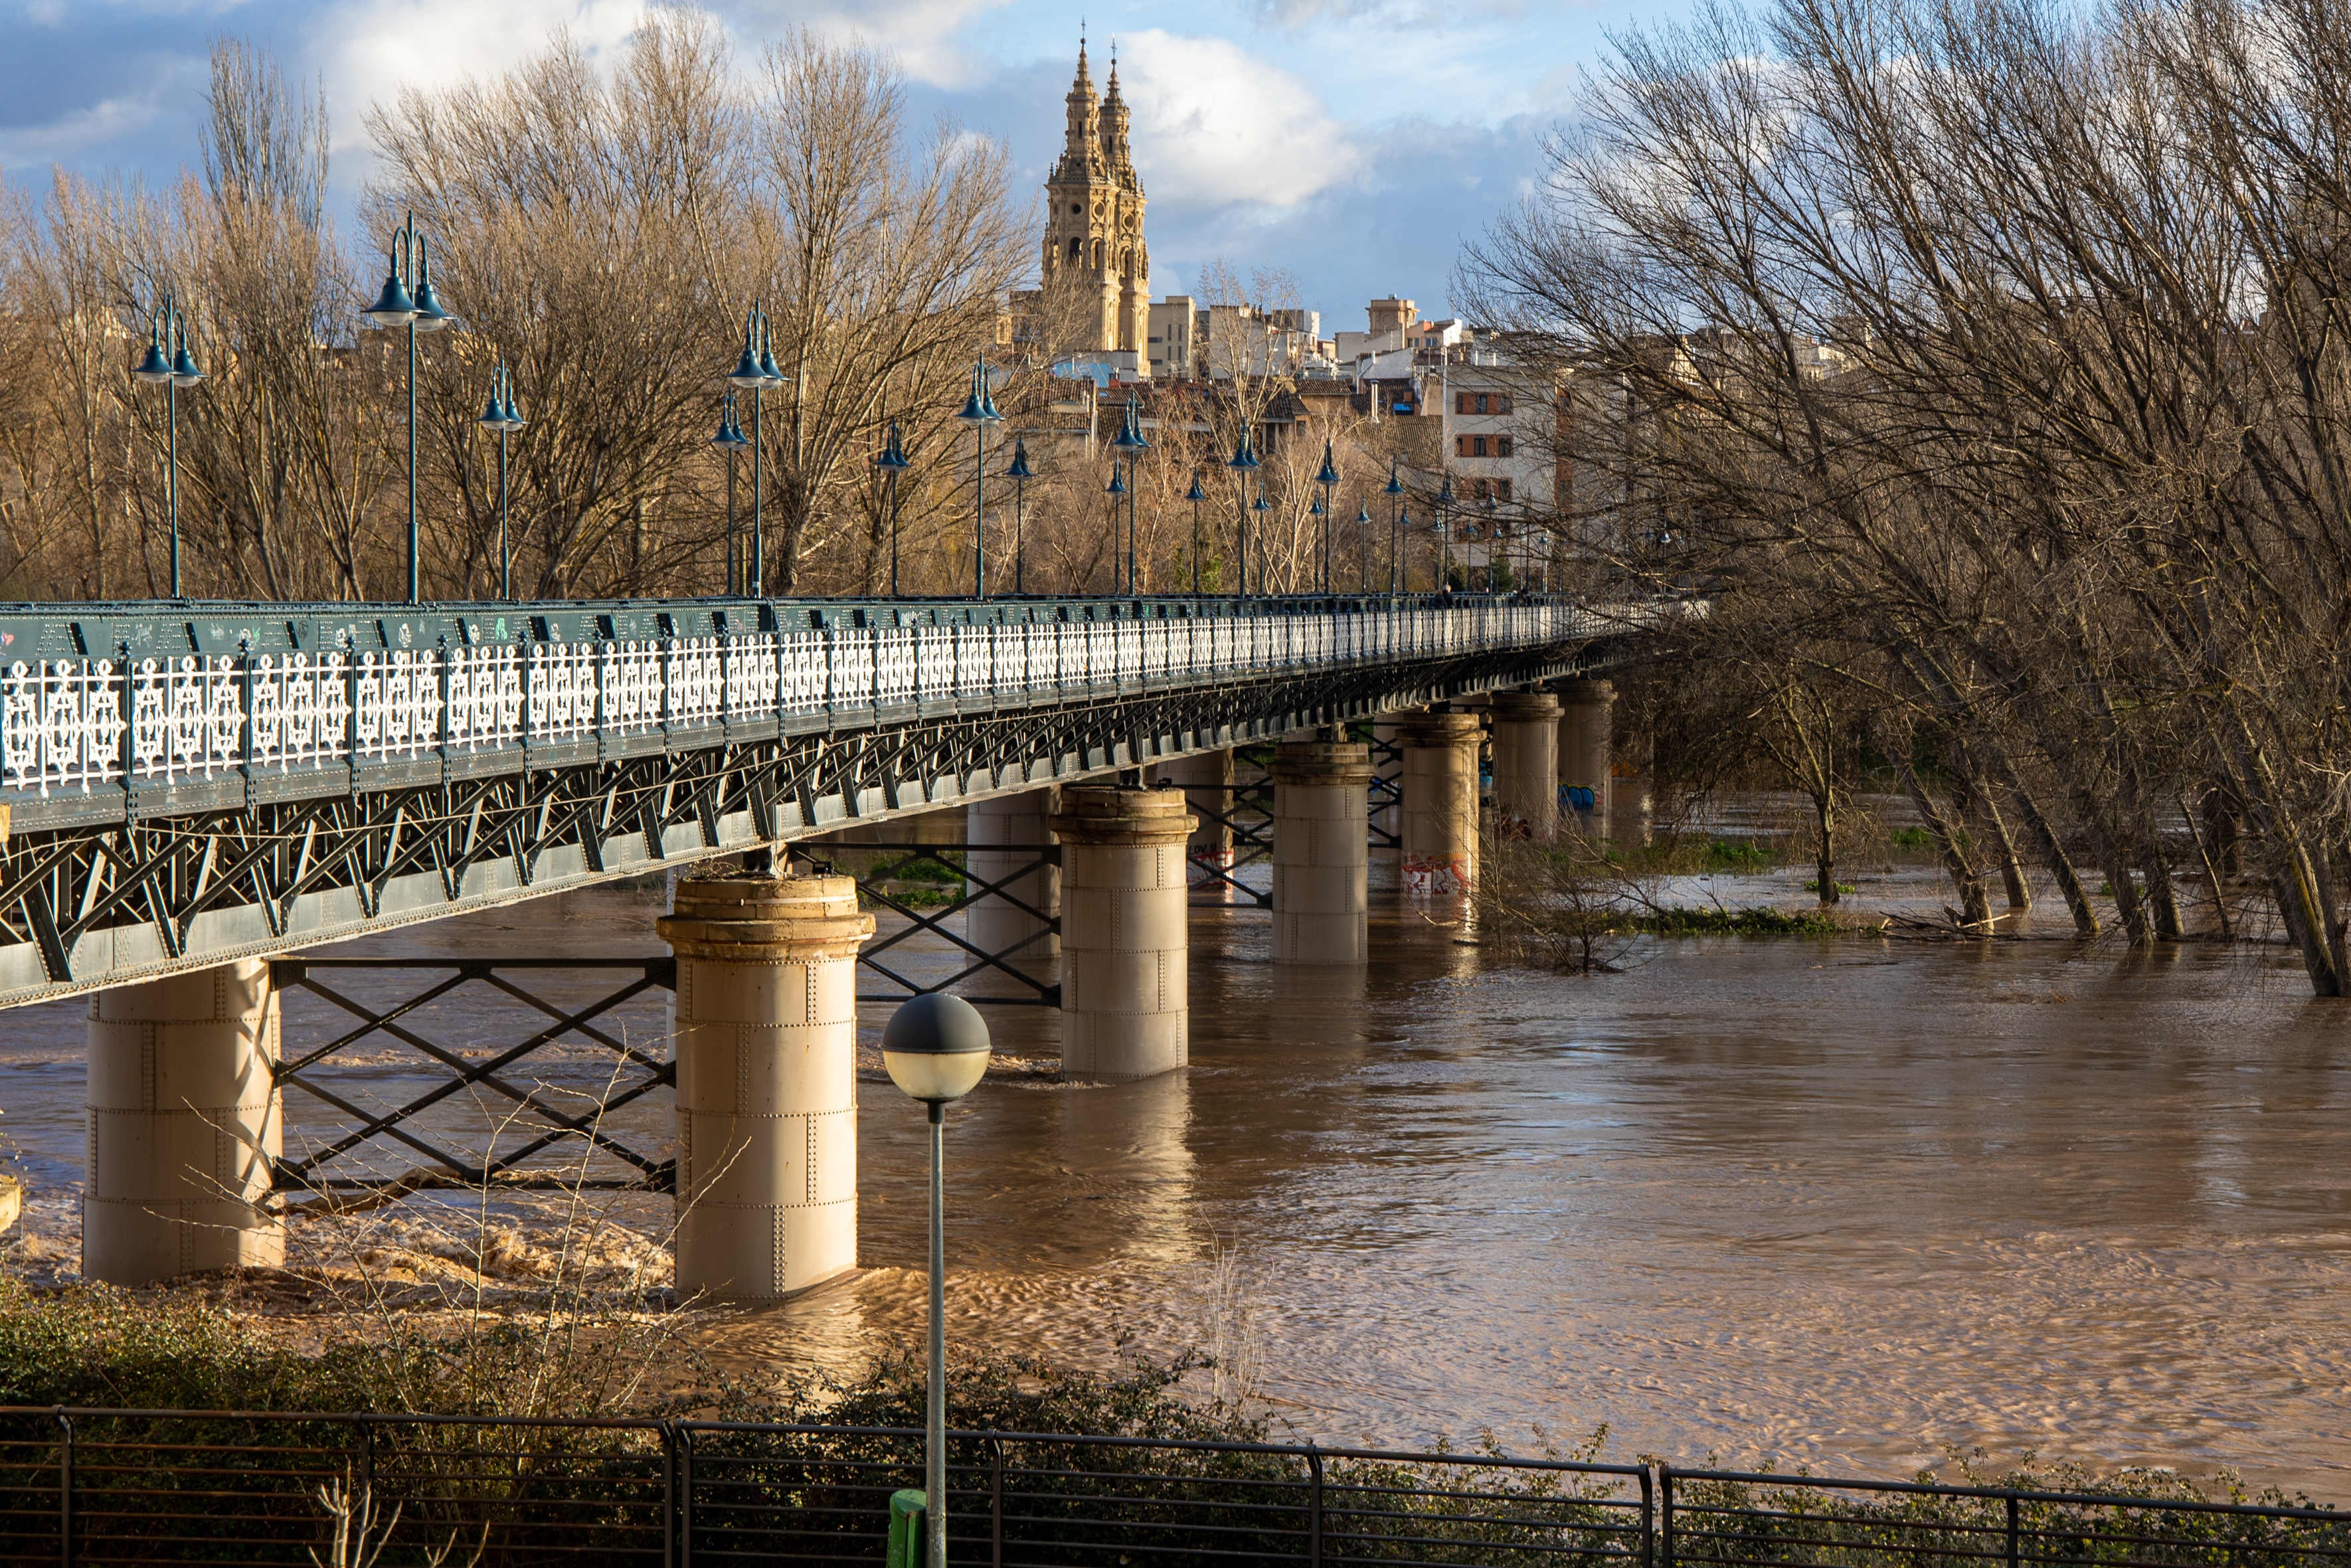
(1848, 1203)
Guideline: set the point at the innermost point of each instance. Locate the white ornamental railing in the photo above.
(73, 725)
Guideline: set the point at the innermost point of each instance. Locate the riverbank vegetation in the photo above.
(1983, 365)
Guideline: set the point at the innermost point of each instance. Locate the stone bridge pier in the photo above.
(1125, 951)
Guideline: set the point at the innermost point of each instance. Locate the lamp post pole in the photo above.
(730, 440)
(1445, 534)
(499, 416)
(167, 364)
(1196, 495)
(1019, 472)
(892, 462)
(1328, 477)
(1243, 460)
(1394, 490)
(979, 412)
(1364, 549)
(935, 1048)
(407, 299)
(1130, 444)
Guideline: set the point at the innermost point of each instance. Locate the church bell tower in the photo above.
(1094, 252)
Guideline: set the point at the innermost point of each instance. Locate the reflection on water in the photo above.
(1847, 1202)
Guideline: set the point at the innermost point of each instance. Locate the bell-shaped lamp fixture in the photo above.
(1444, 492)
(1196, 495)
(1019, 468)
(1243, 457)
(1117, 482)
(893, 456)
(974, 407)
(392, 307)
(1261, 504)
(494, 413)
(1318, 509)
(747, 373)
(770, 375)
(1394, 486)
(936, 1048)
(1328, 474)
(431, 317)
(1130, 433)
(154, 367)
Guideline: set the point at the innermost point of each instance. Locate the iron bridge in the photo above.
(182, 784)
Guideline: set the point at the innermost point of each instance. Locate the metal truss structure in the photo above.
(542, 1121)
(295, 778)
(878, 958)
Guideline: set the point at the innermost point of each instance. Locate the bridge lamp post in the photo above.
(1019, 472)
(1364, 548)
(167, 364)
(1243, 460)
(730, 440)
(1116, 491)
(1260, 507)
(979, 412)
(1196, 495)
(1321, 516)
(408, 301)
(1131, 445)
(1445, 533)
(1394, 491)
(936, 1048)
(499, 415)
(755, 371)
(893, 463)
(1328, 477)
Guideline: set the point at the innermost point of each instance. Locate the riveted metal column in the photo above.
(1441, 803)
(767, 1082)
(1321, 856)
(1388, 769)
(1526, 763)
(998, 923)
(1125, 988)
(184, 1124)
(1585, 730)
(1207, 781)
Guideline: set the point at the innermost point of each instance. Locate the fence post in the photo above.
(995, 1500)
(1313, 1506)
(1649, 1519)
(684, 1497)
(65, 1488)
(366, 1454)
(2012, 1542)
(669, 1493)
(1665, 1516)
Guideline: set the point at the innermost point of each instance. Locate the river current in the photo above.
(1848, 1203)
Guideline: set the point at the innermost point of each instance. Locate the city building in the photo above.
(1175, 330)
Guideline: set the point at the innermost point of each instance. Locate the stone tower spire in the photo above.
(1117, 158)
(1093, 251)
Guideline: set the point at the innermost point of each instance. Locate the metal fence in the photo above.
(112, 696)
(144, 1487)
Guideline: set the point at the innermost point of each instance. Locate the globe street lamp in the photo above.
(893, 463)
(979, 412)
(935, 1048)
(1130, 445)
(1196, 495)
(730, 440)
(1019, 472)
(1241, 463)
(755, 371)
(167, 364)
(499, 415)
(408, 301)
(1394, 491)
(1328, 477)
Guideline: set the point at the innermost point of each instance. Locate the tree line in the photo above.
(1985, 361)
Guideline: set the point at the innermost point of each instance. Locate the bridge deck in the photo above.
(181, 784)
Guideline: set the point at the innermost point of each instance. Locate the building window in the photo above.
(1501, 489)
(1502, 402)
(1074, 245)
(1501, 447)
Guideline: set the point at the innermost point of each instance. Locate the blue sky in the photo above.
(1353, 143)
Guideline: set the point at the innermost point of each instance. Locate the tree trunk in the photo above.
(1825, 849)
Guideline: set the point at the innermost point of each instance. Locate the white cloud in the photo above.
(1214, 123)
(925, 36)
(369, 53)
(71, 134)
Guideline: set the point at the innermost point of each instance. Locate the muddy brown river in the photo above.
(1848, 1203)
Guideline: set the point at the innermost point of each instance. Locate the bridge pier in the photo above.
(996, 923)
(1526, 762)
(1207, 780)
(185, 1123)
(767, 1082)
(1125, 953)
(1321, 854)
(1441, 803)
(1584, 737)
